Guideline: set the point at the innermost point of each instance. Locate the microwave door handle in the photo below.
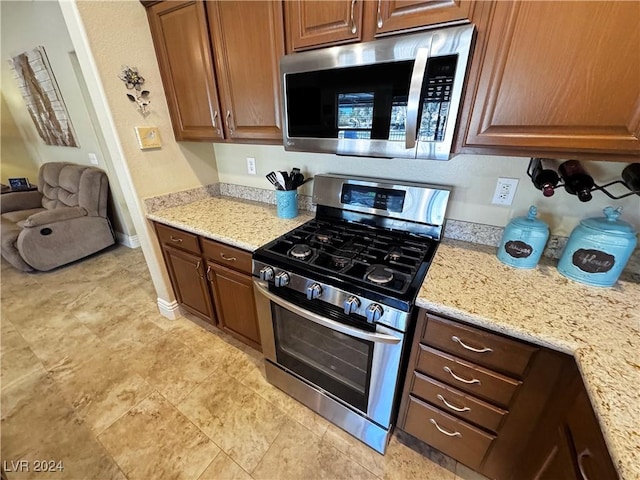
(413, 102)
(325, 322)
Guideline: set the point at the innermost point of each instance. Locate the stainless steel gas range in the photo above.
(335, 298)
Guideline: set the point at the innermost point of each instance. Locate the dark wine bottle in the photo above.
(576, 180)
(543, 178)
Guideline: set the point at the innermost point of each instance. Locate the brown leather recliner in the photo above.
(65, 220)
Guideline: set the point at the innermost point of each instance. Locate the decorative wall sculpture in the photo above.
(41, 94)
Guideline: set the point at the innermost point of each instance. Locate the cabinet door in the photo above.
(248, 41)
(558, 465)
(392, 15)
(235, 304)
(591, 454)
(181, 40)
(312, 24)
(187, 277)
(559, 77)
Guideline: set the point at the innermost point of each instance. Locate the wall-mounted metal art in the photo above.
(134, 82)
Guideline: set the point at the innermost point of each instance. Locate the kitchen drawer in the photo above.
(484, 348)
(457, 403)
(466, 376)
(450, 435)
(178, 238)
(228, 256)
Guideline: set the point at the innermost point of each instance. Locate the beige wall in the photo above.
(108, 35)
(15, 160)
(26, 25)
(473, 178)
(118, 33)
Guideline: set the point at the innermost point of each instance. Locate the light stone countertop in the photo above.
(599, 326)
(242, 223)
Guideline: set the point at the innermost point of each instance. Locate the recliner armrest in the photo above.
(55, 215)
(10, 202)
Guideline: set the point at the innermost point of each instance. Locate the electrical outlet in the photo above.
(93, 158)
(251, 165)
(505, 191)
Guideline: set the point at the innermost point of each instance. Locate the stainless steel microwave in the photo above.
(395, 97)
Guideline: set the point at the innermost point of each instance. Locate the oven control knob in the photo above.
(314, 291)
(374, 312)
(282, 279)
(351, 304)
(266, 274)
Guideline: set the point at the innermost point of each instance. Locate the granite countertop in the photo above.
(600, 327)
(241, 223)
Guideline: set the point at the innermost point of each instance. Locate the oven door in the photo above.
(356, 367)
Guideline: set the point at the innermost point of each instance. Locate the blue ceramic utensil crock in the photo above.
(523, 241)
(598, 249)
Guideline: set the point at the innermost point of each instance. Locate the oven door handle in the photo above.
(325, 322)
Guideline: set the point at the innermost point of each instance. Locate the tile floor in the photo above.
(97, 381)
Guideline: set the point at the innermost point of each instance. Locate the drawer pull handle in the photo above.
(476, 350)
(460, 379)
(442, 430)
(228, 259)
(174, 239)
(581, 457)
(452, 407)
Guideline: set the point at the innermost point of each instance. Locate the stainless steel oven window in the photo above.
(331, 360)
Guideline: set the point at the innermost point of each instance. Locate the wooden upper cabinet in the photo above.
(394, 15)
(248, 40)
(181, 40)
(314, 23)
(219, 63)
(558, 78)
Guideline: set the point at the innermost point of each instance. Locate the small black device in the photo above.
(19, 183)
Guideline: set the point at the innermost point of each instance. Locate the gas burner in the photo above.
(379, 274)
(394, 254)
(323, 236)
(340, 262)
(301, 251)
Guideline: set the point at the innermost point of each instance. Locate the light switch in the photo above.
(93, 158)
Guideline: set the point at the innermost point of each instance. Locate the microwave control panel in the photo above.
(438, 85)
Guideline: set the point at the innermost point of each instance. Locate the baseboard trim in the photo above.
(131, 241)
(170, 310)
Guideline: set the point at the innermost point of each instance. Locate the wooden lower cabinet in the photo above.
(213, 281)
(511, 420)
(568, 444)
(186, 273)
(235, 304)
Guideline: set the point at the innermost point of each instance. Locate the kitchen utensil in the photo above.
(523, 241)
(598, 249)
(298, 179)
(272, 177)
(280, 179)
(286, 178)
(306, 180)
